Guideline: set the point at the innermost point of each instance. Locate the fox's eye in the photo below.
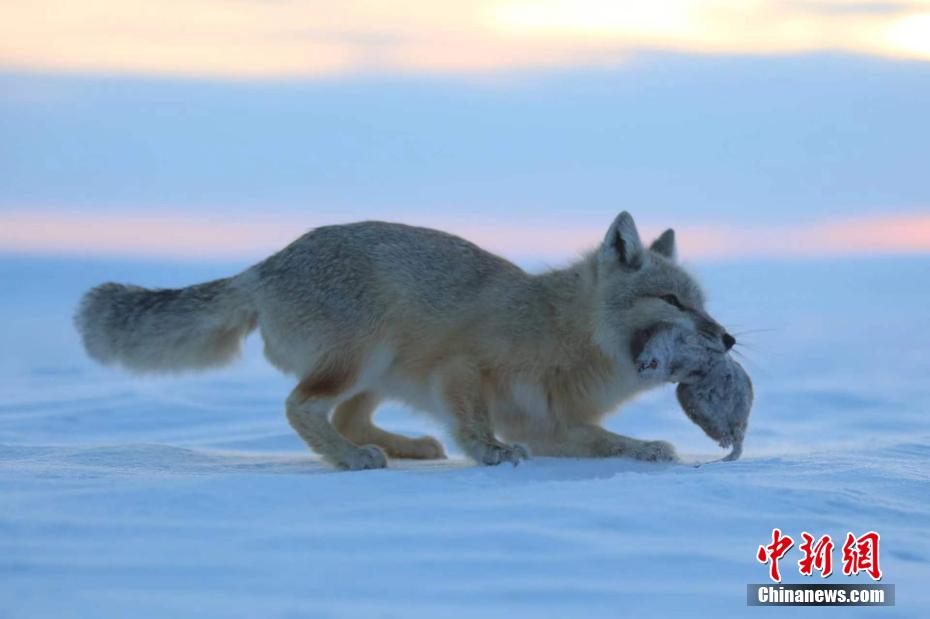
(672, 300)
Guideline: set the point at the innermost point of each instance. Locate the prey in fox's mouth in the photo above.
(714, 391)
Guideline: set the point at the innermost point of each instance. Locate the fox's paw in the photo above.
(656, 451)
(495, 454)
(365, 457)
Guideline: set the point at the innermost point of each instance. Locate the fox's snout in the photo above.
(642, 336)
(710, 327)
(728, 340)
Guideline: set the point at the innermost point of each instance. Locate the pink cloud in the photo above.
(182, 236)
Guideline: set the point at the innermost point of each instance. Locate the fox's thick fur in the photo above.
(514, 363)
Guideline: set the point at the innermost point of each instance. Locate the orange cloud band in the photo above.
(261, 39)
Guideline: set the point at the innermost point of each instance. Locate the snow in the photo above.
(190, 495)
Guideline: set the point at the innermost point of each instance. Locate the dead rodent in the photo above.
(713, 390)
(720, 403)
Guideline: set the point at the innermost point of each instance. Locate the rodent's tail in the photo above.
(166, 330)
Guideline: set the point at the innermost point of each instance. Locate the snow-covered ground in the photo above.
(190, 496)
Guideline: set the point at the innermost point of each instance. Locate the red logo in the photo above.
(773, 552)
(860, 554)
(817, 556)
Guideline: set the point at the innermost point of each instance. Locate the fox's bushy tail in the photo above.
(165, 330)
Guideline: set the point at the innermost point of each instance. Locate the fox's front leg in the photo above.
(590, 441)
(473, 430)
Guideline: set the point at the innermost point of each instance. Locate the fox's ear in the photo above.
(622, 245)
(665, 245)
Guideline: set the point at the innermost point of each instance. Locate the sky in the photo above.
(197, 129)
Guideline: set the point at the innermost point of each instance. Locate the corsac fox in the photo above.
(513, 363)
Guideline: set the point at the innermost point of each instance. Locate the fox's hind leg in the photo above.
(353, 420)
(308, 408)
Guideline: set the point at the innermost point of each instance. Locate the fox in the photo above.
(510, 363)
